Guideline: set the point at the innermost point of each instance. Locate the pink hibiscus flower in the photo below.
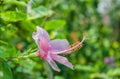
(49, 50)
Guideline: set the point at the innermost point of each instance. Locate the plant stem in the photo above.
(49, 71)
(23, 56)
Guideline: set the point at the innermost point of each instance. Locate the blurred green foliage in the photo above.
(70, 19)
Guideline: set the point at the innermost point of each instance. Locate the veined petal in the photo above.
(42, 39)
(41, 36)
(52, 63)
(62, 60)
(44, 44)
(58, 45)
(42, 33)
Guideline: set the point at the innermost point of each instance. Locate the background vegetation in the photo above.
(64, 19)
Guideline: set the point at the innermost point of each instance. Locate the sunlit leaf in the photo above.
(53, 24)
(12, 16)
(22, 3)
(59, 77)
(40, 11)
(114, 72)
(86, 68)
(99, 76)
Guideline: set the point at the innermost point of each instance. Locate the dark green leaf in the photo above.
(2, 55)
(6, 70)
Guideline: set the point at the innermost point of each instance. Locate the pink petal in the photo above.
(44, 44)
(58, 45)
(42, 39)
(52, 63)
(62, 60)
(42, 33)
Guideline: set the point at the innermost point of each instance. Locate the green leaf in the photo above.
(59, 77)
(40, 11)
(114, 72)
(53, 24)
(25, 24)
(22, 3)
(99, 76)
(2, 55)
(3, 42)
(6, 70)
(5, 53)
(12, 16)
(86, 68)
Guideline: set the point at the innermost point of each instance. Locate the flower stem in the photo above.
(49, 71)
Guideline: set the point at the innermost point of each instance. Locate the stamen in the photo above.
(84, 38)
(73, 47)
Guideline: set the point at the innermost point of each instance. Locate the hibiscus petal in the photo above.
(52, 63)
(42, 39)
(44, 44)
(58, 45)
(62, 60)
(42, 33)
